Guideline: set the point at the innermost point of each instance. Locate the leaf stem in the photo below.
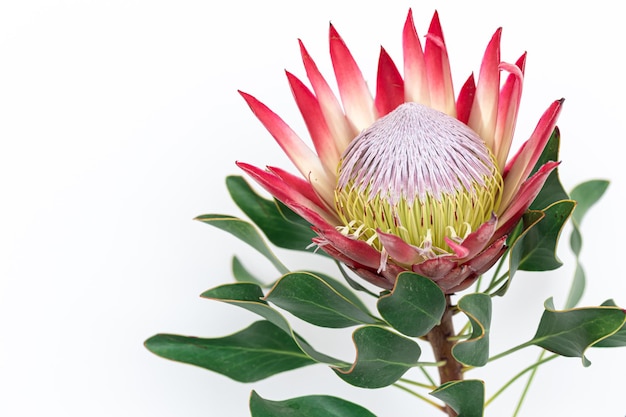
(512, 350)
(419, 384)
(532, 367)
(428, 377)
(420, 396)
(530, 380)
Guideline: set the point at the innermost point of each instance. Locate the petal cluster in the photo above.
(488, 107)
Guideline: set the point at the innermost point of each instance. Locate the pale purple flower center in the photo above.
(412, 152)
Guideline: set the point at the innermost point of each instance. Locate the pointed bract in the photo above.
(376, 255)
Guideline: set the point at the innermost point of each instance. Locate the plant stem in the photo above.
(441, 339)
(530, 380)
(532, 368)
(421, 397)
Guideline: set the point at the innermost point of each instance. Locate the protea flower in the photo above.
(411, 179)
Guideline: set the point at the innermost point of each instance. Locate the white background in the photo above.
(119, 121)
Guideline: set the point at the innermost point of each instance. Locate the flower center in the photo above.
(419, 174)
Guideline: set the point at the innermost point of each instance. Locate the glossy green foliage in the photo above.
(257, 352)
(250, 297)
(465, 397)
(572, 332)
(475, 350)
(415, 305)
(586, 195)
(537, 248)
(309, 297)
(382, 358)
(245, 232)
(617, 339)
(552, 190)
(282, 227)
(309, 406)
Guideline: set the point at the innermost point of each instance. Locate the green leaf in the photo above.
(586, 195)
(310, 298)
(255, 353)
(241, 274)
(571, 332)
(415, 305)
(615, 340)
(475, 350)
(243, 231)
(465, 397)
(250, 297)
(552, 190)
(382, 358)
(341, 289)
(537, 248)
(277, 222)
(309, 406)
(517, 248)
(577, 288)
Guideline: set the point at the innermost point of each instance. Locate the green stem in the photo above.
(495, 282)
(428, 377)
(420, 396)
(532, 367)
(530, 380)
(419, 384)
(512, 350)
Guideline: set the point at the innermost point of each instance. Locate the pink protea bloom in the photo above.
(411, 179)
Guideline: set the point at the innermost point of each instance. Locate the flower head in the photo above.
(410, 179)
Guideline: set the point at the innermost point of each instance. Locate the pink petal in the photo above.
(435, 268)
(355, 96)
(455, 277)
(291, 197)
(485, 109)
(341, 129)
(303, 186)
(355, 249)
(389, 85)
(524, 161)
(508, 105)
(398, 249)
(316, 124)
(377, 279)
(466, 100)
(486, 259)
(415, 77)
(438, 69)
(480, 267)
(477, 240)
(303, 158)
(459, 250)
(524, 198)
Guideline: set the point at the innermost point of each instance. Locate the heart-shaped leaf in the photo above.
(465, 397)
(255, 353)
(382, 358)
(571, 332)
(309, 297)
(309, 406)
(475, 350)
(243, 231)
(250, 297)
(414, 306)
(282, 227)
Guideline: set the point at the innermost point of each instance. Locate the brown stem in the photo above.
(441, 340)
